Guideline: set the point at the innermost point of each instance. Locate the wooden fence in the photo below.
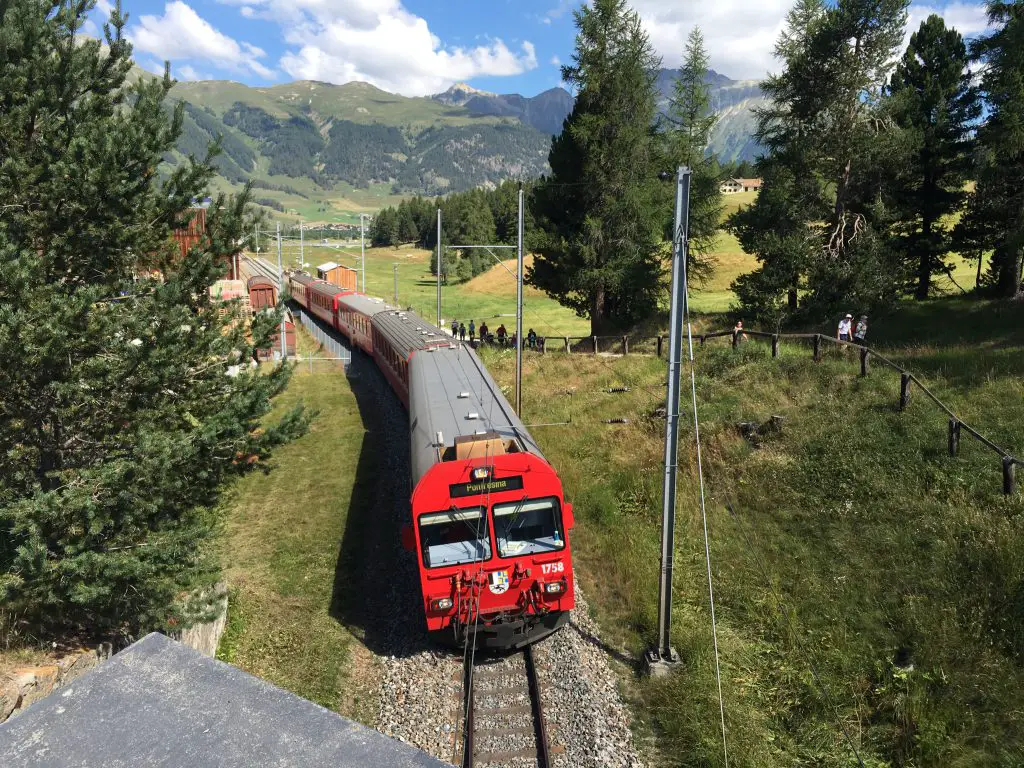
(625, 345)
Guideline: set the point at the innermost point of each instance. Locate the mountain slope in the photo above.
(309, 144)
(355, 134)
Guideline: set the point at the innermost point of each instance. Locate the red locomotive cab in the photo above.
(491, 536)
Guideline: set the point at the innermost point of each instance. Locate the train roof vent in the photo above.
(482, 445)
(472, 416)
(463, 395)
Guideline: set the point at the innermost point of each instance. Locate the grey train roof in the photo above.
(158, 703)
(409, 332)
(438, 380)
(364, 305)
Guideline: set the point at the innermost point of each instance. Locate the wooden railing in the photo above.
(625, 345)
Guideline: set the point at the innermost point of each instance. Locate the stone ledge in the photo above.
(25, 685)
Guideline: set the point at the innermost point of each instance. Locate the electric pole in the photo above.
(362, 250)
(519, 310)
(439, 251)
(280, 293)
(396, 284)
(302, 248)
(660, 658)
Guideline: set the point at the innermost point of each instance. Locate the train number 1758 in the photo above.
(558, 567)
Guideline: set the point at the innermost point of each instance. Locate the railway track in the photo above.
(251, 267)
(503, 715)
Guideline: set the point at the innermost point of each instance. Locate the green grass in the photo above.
(281, 556)
(879, 550)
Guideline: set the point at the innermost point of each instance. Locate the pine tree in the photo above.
(385, 228)
(932, 100)
(995, 217)
(823, 124)
(690, 121)
(119, 423)
(407, 232)
(600, 215)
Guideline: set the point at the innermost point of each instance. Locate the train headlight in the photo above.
(554, 587)
(441, 604)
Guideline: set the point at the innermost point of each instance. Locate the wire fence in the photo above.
(325, 337)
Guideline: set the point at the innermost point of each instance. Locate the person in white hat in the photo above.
(845, 332)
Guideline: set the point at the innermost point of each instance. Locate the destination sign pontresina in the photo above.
(491, 485)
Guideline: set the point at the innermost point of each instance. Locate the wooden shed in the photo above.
(335, 274)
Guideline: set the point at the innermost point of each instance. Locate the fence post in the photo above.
(594, 340)
(1009, 476)
(954, 437)
(568, 346)
(625, 345)
(904, 391)
(817, 347)
(775, 345)
(735, 339)
(865, 366)
(661, 341)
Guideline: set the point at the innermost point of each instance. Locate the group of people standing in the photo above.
(501, 335)
(848, 331)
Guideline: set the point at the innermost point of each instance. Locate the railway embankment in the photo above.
(868, 584)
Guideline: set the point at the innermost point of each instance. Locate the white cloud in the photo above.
(182, 35)
(186, 72)
(740, 35)
(555, 61)
(380, 42)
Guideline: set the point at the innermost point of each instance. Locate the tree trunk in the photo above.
(924, 267)
(1009, 264)
(598, 321)
(792, 299)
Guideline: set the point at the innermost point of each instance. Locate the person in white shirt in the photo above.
(845, 332)
(860, 333)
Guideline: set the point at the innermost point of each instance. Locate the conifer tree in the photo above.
(932, 100)
(995, 218)
(600, 215)
(824, 122)
(407, 232)
(690, 121)
(119, 421)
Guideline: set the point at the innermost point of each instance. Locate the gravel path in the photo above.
(421, 685)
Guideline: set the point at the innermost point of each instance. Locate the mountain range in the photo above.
(306, 143)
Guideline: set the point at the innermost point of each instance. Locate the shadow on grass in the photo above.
(376, 584)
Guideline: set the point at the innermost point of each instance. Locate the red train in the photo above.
(489, 521)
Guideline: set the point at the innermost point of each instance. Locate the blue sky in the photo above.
(419, 47)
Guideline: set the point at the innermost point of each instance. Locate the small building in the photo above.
(335, 274)
(733, 186)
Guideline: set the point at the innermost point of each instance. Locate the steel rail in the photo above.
(536, 710)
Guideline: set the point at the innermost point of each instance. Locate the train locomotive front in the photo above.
(490, 523)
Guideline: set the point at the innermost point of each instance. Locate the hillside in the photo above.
(868, 586)
(316, 142)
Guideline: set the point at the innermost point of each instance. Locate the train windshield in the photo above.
(528, 527)
(454, 537)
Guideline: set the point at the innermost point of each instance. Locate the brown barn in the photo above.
(335, 274)
(190, 234)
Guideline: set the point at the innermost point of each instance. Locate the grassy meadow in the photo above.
(864, 580)
(282, 542)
